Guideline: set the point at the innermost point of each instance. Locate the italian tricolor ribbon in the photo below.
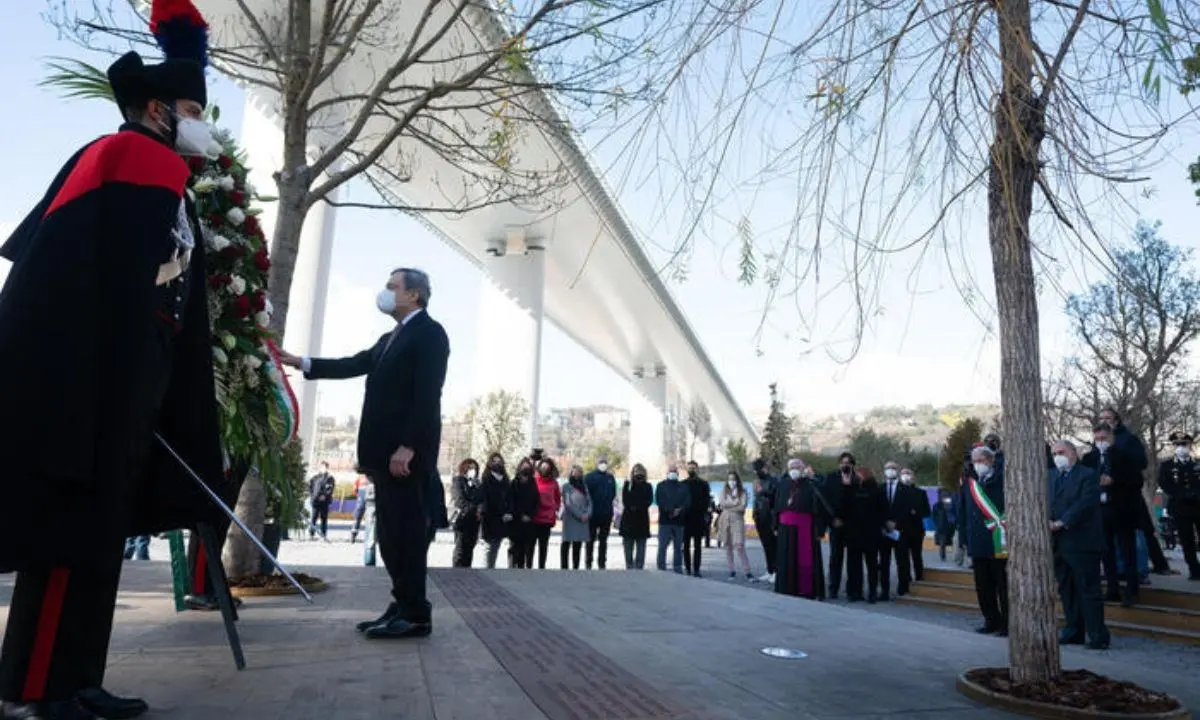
(284, 397)
(993, 519)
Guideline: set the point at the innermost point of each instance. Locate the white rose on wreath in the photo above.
(226, 182)
(262, 319)
(219, 356)
(236, 217)
(217, 242)
(237, 284)
(252, 362)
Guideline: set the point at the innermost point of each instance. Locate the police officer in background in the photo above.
(104, 325)
(1179, 478)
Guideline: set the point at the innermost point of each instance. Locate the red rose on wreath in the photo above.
(233, 252)
(242, 306)
(251, 226)
(237, 197)
(196, 163)
(261, 261)
(225, 162)
(260, 301)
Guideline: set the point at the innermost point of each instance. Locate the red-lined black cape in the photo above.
(76, 314)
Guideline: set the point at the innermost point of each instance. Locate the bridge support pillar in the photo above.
(651, 425)
(509, 352)
(310, 281)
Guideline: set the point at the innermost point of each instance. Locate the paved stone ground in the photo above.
(696, 643)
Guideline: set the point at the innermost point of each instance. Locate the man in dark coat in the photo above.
(1078, 541)
(1131, 446)
(1120, 486)
(1179, 478)
(764, 515)
(398, 442)
(695, 521)
(902, 509)
(320, 495)
(986, 534)
(105, 330)
(602, 488)
(834, 484)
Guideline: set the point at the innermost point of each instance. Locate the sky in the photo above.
(924, 344)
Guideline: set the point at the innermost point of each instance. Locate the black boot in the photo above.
(104, 704)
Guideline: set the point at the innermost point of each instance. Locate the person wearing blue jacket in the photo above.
(602, 488)
(673, 499)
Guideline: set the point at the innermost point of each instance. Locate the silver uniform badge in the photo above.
(184, 243)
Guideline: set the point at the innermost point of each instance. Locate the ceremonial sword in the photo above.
(233, 516)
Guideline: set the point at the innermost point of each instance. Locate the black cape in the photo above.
(82, 354)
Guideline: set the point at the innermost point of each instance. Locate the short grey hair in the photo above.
(418, 282)
(796, 462)
(985, 451)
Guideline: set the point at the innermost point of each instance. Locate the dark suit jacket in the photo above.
(402, 405)
(1120, 498)
(1075, 501)
(904, 507)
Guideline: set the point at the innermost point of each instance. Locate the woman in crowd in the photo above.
(466, 511)
(497, 513)
(523, 504)
(636, 498)
(863, 513)
(549, 499)
(731, 528)
(576, 511)
(802, 513)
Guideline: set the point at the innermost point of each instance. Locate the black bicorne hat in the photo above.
(134, 82)
(1180, 438)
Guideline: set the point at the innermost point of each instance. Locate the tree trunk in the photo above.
(1019, 129)
(241, 557)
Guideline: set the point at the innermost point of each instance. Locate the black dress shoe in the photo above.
(102, 703)
(1070, 640)
(388, 615)
(986, 630)
(398, 629)
(1098, 644)
(61, 710)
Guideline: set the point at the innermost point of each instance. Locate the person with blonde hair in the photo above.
(731, 527)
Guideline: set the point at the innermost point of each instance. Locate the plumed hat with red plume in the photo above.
(181, 32)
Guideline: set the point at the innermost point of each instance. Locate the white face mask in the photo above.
(672, 476)
(732, 484)
(1183, 452)
(794, 474)
(602, 467)
(906, 479)
(471, 474)
(386, 301)
(1103, 446)
(890, 473)
(982, 469)
(1062, 462)
(195, 137)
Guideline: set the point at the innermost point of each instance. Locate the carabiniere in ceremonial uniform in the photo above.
(105, 329)
(1179, 478)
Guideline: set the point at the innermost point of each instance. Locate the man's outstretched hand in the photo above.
(289, 359)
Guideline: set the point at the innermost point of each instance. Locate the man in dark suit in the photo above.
(1120, 486)
(985, 531)
(1078, 539)
(1131, 446)
(398, 441)
(900, 512)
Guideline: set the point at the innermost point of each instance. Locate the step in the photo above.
(1117, 627)
(1150, 595)
(1145, 613)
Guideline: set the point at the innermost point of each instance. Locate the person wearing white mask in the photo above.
(602, 489)
(987, 540)
(901, 509)
(1119, 485)
(1078, 542)
(673, 500)
(399, 435)
(1179, 477)
(802, 513)
(914, 530)
(731, 528)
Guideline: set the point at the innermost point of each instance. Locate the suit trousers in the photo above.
(856, 557)
(598, 529)
(402, 526)
(1187, 525)
(766, 535)
(1121, 536)
(837, 560)
(635, 553)
(915, 544)
(991, 588)
(670, 535)
(900, 550)
(59, 625)
(693, 547)
(466, 536)
(1078, 577)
